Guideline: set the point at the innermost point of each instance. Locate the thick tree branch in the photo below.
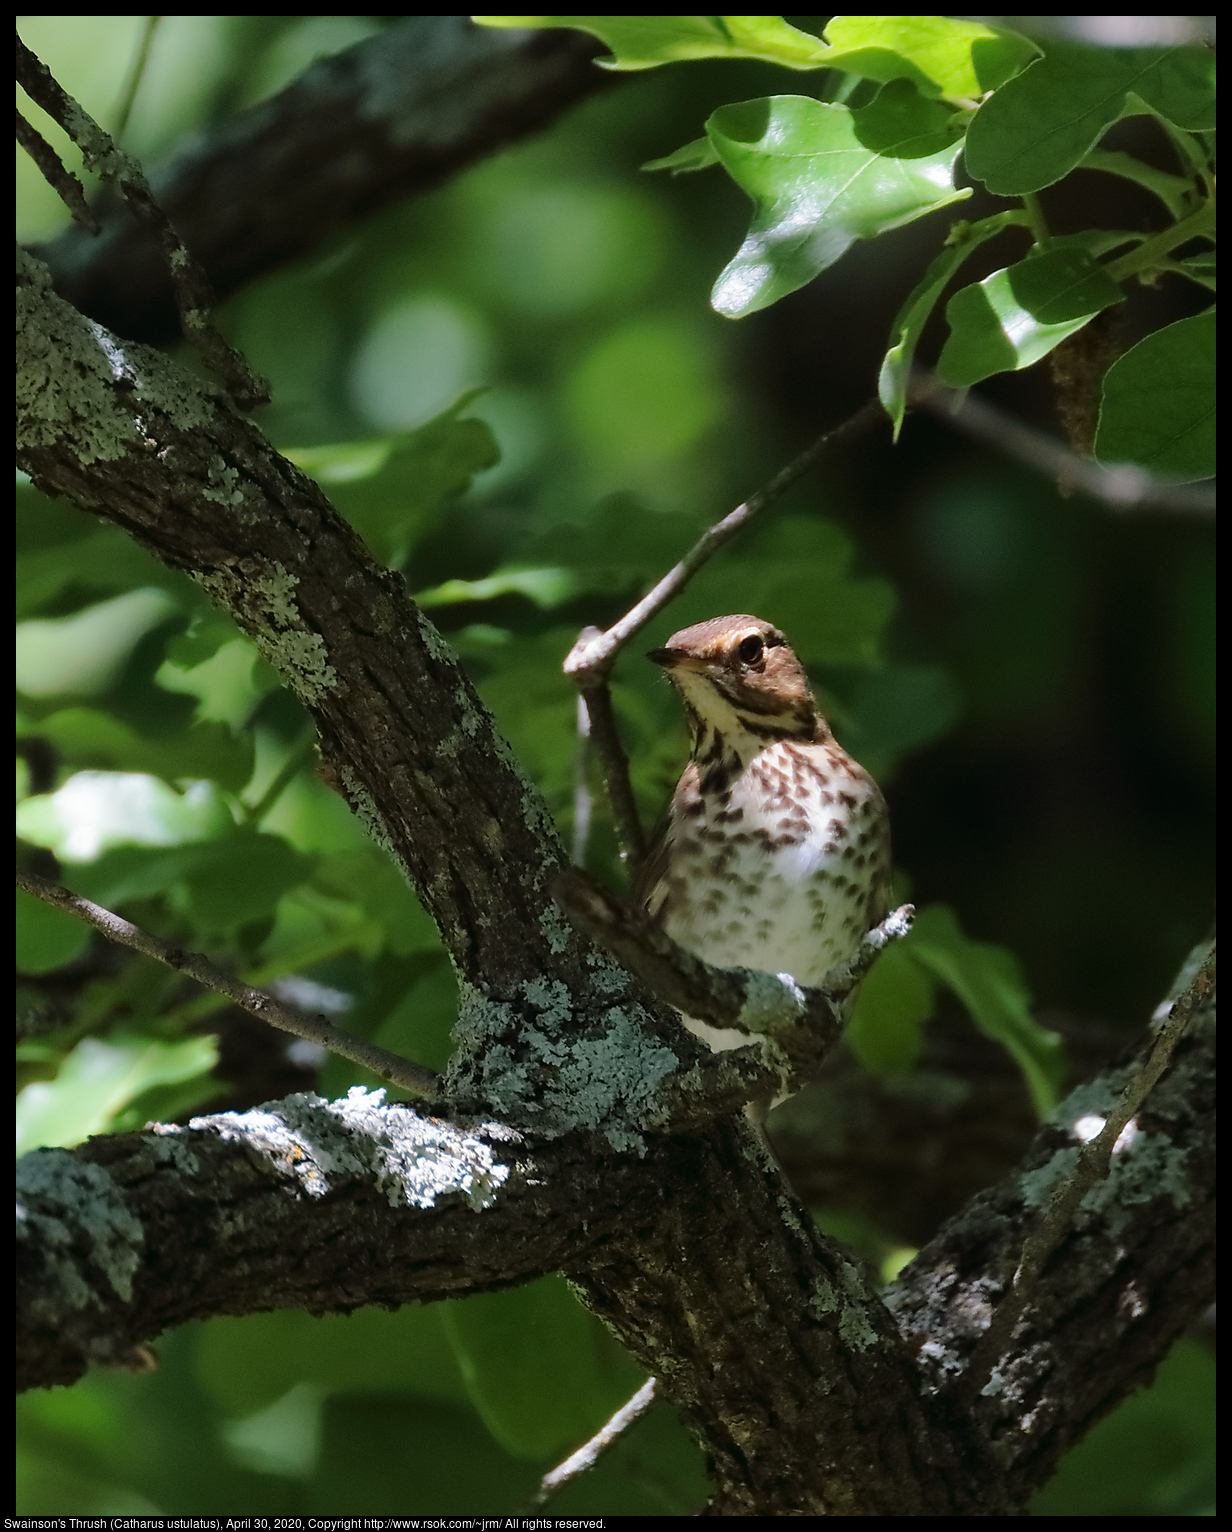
(387, 119)
(194, 297)
(809, 1396)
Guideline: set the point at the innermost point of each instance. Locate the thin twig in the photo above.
(57, 175)
(585, 1458)
(1124, 487)
(593, 655)
(194, 295)
(132, 85)
(300, 755)
(583, 798)
(1091, 1167)
(589, 663)
(288, 1018)
(803, 1022)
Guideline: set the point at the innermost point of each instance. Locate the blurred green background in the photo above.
(1030, 676)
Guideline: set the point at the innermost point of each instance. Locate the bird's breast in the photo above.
(782, 870)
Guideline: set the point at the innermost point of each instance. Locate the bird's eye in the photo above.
(750, 649)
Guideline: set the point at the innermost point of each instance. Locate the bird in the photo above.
(774, 853)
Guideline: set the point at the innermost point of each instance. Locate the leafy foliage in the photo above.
(170, 775)
(824, 173)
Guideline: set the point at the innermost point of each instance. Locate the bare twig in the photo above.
(194, 295)
(132, 85)
(583, 798)
(1124, 487)
(56, 174)
(803, 1022)
(288, 1018)
(594, 652)
(589, 663)
(1091, 1167)
(585, 1458)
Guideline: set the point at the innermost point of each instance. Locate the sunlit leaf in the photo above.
(642, 42)
(817, 187)
(1020, 313)
(941, 54)
(98, 1080)
(895, 376)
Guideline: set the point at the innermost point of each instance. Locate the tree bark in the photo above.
(563, 1148)
(387, 119)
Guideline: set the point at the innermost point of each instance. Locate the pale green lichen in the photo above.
(848, 1299)
(67, 1205)
(262, 591)
(67, 371)
(543, 1067)
(772, 1003)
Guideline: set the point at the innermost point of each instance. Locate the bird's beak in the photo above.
(675, 659)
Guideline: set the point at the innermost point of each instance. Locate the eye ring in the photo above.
(750, 649)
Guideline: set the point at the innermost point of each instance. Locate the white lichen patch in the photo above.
(64, 1205)
(415, 1160)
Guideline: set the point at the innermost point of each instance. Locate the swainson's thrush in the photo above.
(775, 853)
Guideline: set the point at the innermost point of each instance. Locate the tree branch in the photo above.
(267, 1007)
(1123, 488)
(387, 119)
(194, 298)
(802, 1023)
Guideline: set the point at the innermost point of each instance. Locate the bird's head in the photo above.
(737, 677)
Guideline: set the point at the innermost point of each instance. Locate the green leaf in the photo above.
(242, 879)
(895, 376)
(816, 187)
(98, 1080)
(1041, 125)
(896, 998)
(942, 55)
(1172, 190)
(47, 938)
(1159, 402)
(95, 810)
(698, 155)
(1020, 313)
(533, 1367)
(392, 491)
(90, 738)
(957, 59)
(84, 654)
(643, 42)
(987, 980)
(545, 587)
